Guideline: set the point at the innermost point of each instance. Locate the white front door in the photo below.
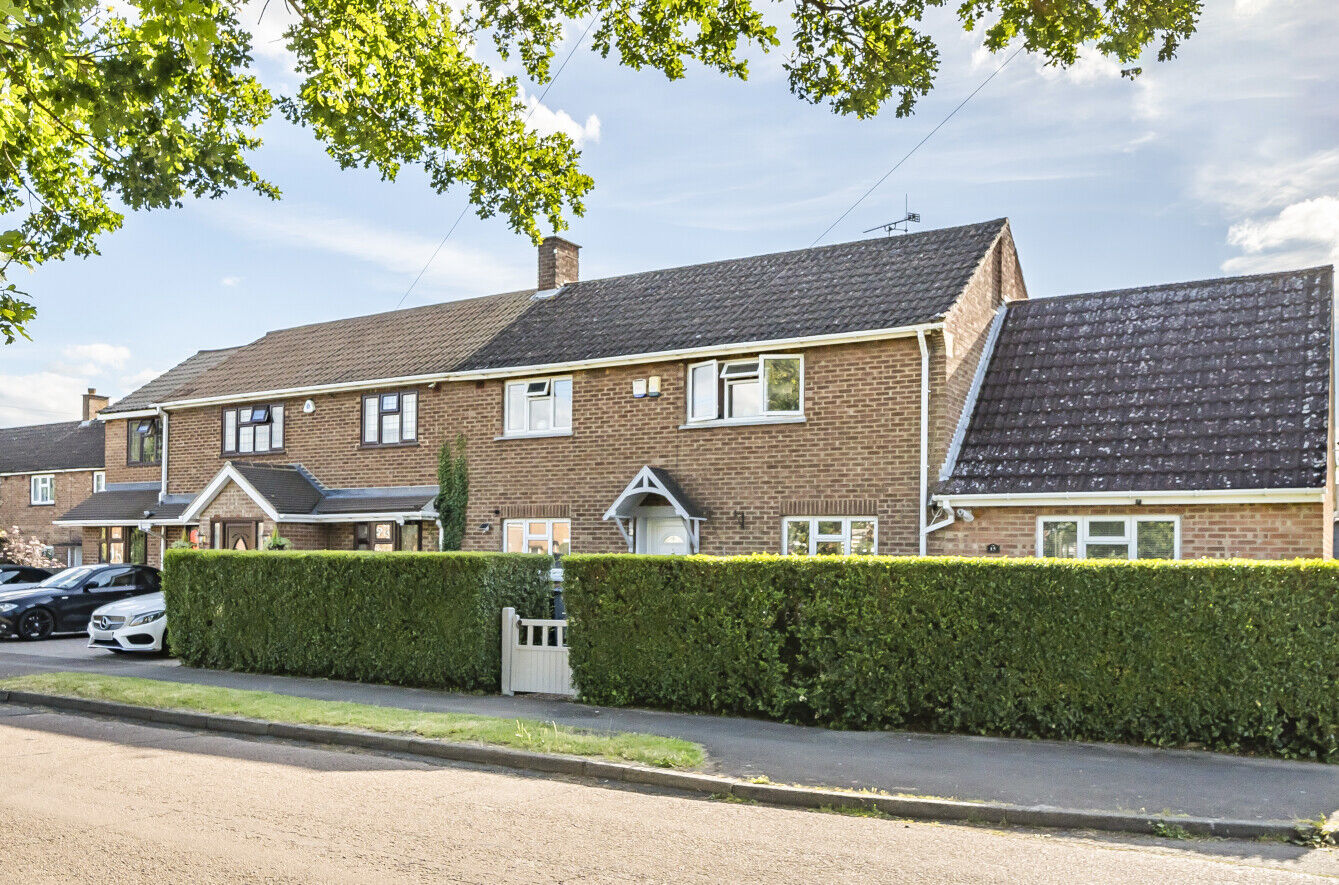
(666, 535)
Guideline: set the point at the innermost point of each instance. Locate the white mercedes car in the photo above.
(135, 624)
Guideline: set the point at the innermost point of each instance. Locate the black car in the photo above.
(63, 602)
(23, 574)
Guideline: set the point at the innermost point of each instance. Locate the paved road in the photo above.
(85, 799)
(1069, 775)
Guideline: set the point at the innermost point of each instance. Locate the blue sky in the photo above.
(1225, 160)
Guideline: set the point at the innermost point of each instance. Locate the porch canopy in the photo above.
(652, 483)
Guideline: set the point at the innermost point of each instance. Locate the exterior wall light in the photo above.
(485, 527)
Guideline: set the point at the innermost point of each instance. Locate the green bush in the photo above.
(1233, 655)
(429, 619)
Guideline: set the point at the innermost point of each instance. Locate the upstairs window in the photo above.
(42, 489)
(253, 429)
(755, 389)
(1109, 537)
(538, 407)
(830, 536)
(390, 419)
(146, 442)
(99, 481)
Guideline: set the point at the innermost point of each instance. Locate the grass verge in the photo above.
(522, 734)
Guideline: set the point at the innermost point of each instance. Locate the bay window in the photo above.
(390, 419)
(1109, 537)
(538, 407)
(746, 390)
(537, 536)
(830, 535)
(253, 429)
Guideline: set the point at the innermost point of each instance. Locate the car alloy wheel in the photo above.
(36, 624)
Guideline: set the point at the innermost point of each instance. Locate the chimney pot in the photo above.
(557, 263)
(93, 403)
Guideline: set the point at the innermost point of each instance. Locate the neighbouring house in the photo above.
(47, 468)
(806, 402)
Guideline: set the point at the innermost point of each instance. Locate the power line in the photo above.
(547, 86)
(908, 154)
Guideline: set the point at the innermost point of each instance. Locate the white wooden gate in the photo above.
(534, 655)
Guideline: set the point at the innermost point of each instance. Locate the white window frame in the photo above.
(45, 481)
(527, 536)
(99, 481)
(1130, 537)
(719, 369)
(814, 538)
(274, 421)
(536, 389)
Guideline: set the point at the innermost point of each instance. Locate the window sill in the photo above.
(547, 434)
(144, 463)
(41, 503)
(264, 454)
(400, 445)
(744, 422)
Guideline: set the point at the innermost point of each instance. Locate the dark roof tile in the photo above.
(68, 445)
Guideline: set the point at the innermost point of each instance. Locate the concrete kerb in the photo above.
(911, 807)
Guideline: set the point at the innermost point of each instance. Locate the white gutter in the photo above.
(54, 470)
(921, 529)
(544, 368)
(1162, 496)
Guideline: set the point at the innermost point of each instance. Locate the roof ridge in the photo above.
(1206, 281)
(386, 313)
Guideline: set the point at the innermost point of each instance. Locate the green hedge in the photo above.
(1232, 655)
(428, 619)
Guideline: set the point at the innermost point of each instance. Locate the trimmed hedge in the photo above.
(1233, 655)
(430, 619)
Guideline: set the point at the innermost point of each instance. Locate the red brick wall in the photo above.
(1251, 531)
(17, 509)
(116, 451)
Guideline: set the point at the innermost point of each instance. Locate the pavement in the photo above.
(89, 799)
(1080, 776)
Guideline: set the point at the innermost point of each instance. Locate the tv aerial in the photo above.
(901, 226)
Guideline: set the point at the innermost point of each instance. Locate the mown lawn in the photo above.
(523, 734)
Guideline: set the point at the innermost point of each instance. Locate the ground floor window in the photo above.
(387, 536)
(830, 535)
(123, 544)
(551, 536)
(1109, 537)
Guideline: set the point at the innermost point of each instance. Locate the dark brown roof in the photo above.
(166, 385)
(68, 445)
(1212, 385)
(128, 502)
(416, 341)
(880, 283)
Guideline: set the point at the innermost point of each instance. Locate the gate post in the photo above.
(508, 640)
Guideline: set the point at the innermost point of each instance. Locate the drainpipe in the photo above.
(162, 456)
(925, 438)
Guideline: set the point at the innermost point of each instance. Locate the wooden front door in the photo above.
(239, 536)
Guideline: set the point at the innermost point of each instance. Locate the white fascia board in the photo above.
(1095, 499)
(97, 523)
(382, 516)
(969, 406)
(137, 413)
(695, 352)
(53, 470)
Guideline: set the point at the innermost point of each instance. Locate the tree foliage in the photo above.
(142, 104)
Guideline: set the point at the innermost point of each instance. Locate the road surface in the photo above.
(84, 798)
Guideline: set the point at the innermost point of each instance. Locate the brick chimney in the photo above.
(557, 263)
(93, 403)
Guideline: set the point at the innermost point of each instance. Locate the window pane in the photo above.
(390, 402)
(537, 545)
(830, 548)
(277, 427)
(409, 416)
(1156, 539)
(745, 399)
(230, 430)
(740, 370)
(409, 533)
(516, 407)
(797, 537)
(262, 437)
(540, 413)
(1108, 551)
(830, 527)
(862, 537)
(1060, 539)
(1106, 528)
(515, 537)
(703, 385)
(562, 404)
(246, 439)
(783, 385)
(370, 419)
(390, 428)
(562, 537)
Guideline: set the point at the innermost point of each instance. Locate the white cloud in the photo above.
(1302, 233)
(1091, 67)
(230, 281)
(544, 119)
(139, 379)
(99, 354)
(458, 268)
(40, 398)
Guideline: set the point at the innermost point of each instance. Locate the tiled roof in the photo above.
(166, 385)
(288, 488)
(880, 283)
(65, 446)
(400, 343)
(1212, 385)
(130, 503)
(396, 499)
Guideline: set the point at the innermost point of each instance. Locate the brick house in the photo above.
(47, 468)
(804, 402)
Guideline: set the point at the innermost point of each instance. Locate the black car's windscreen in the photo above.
(68, 578)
